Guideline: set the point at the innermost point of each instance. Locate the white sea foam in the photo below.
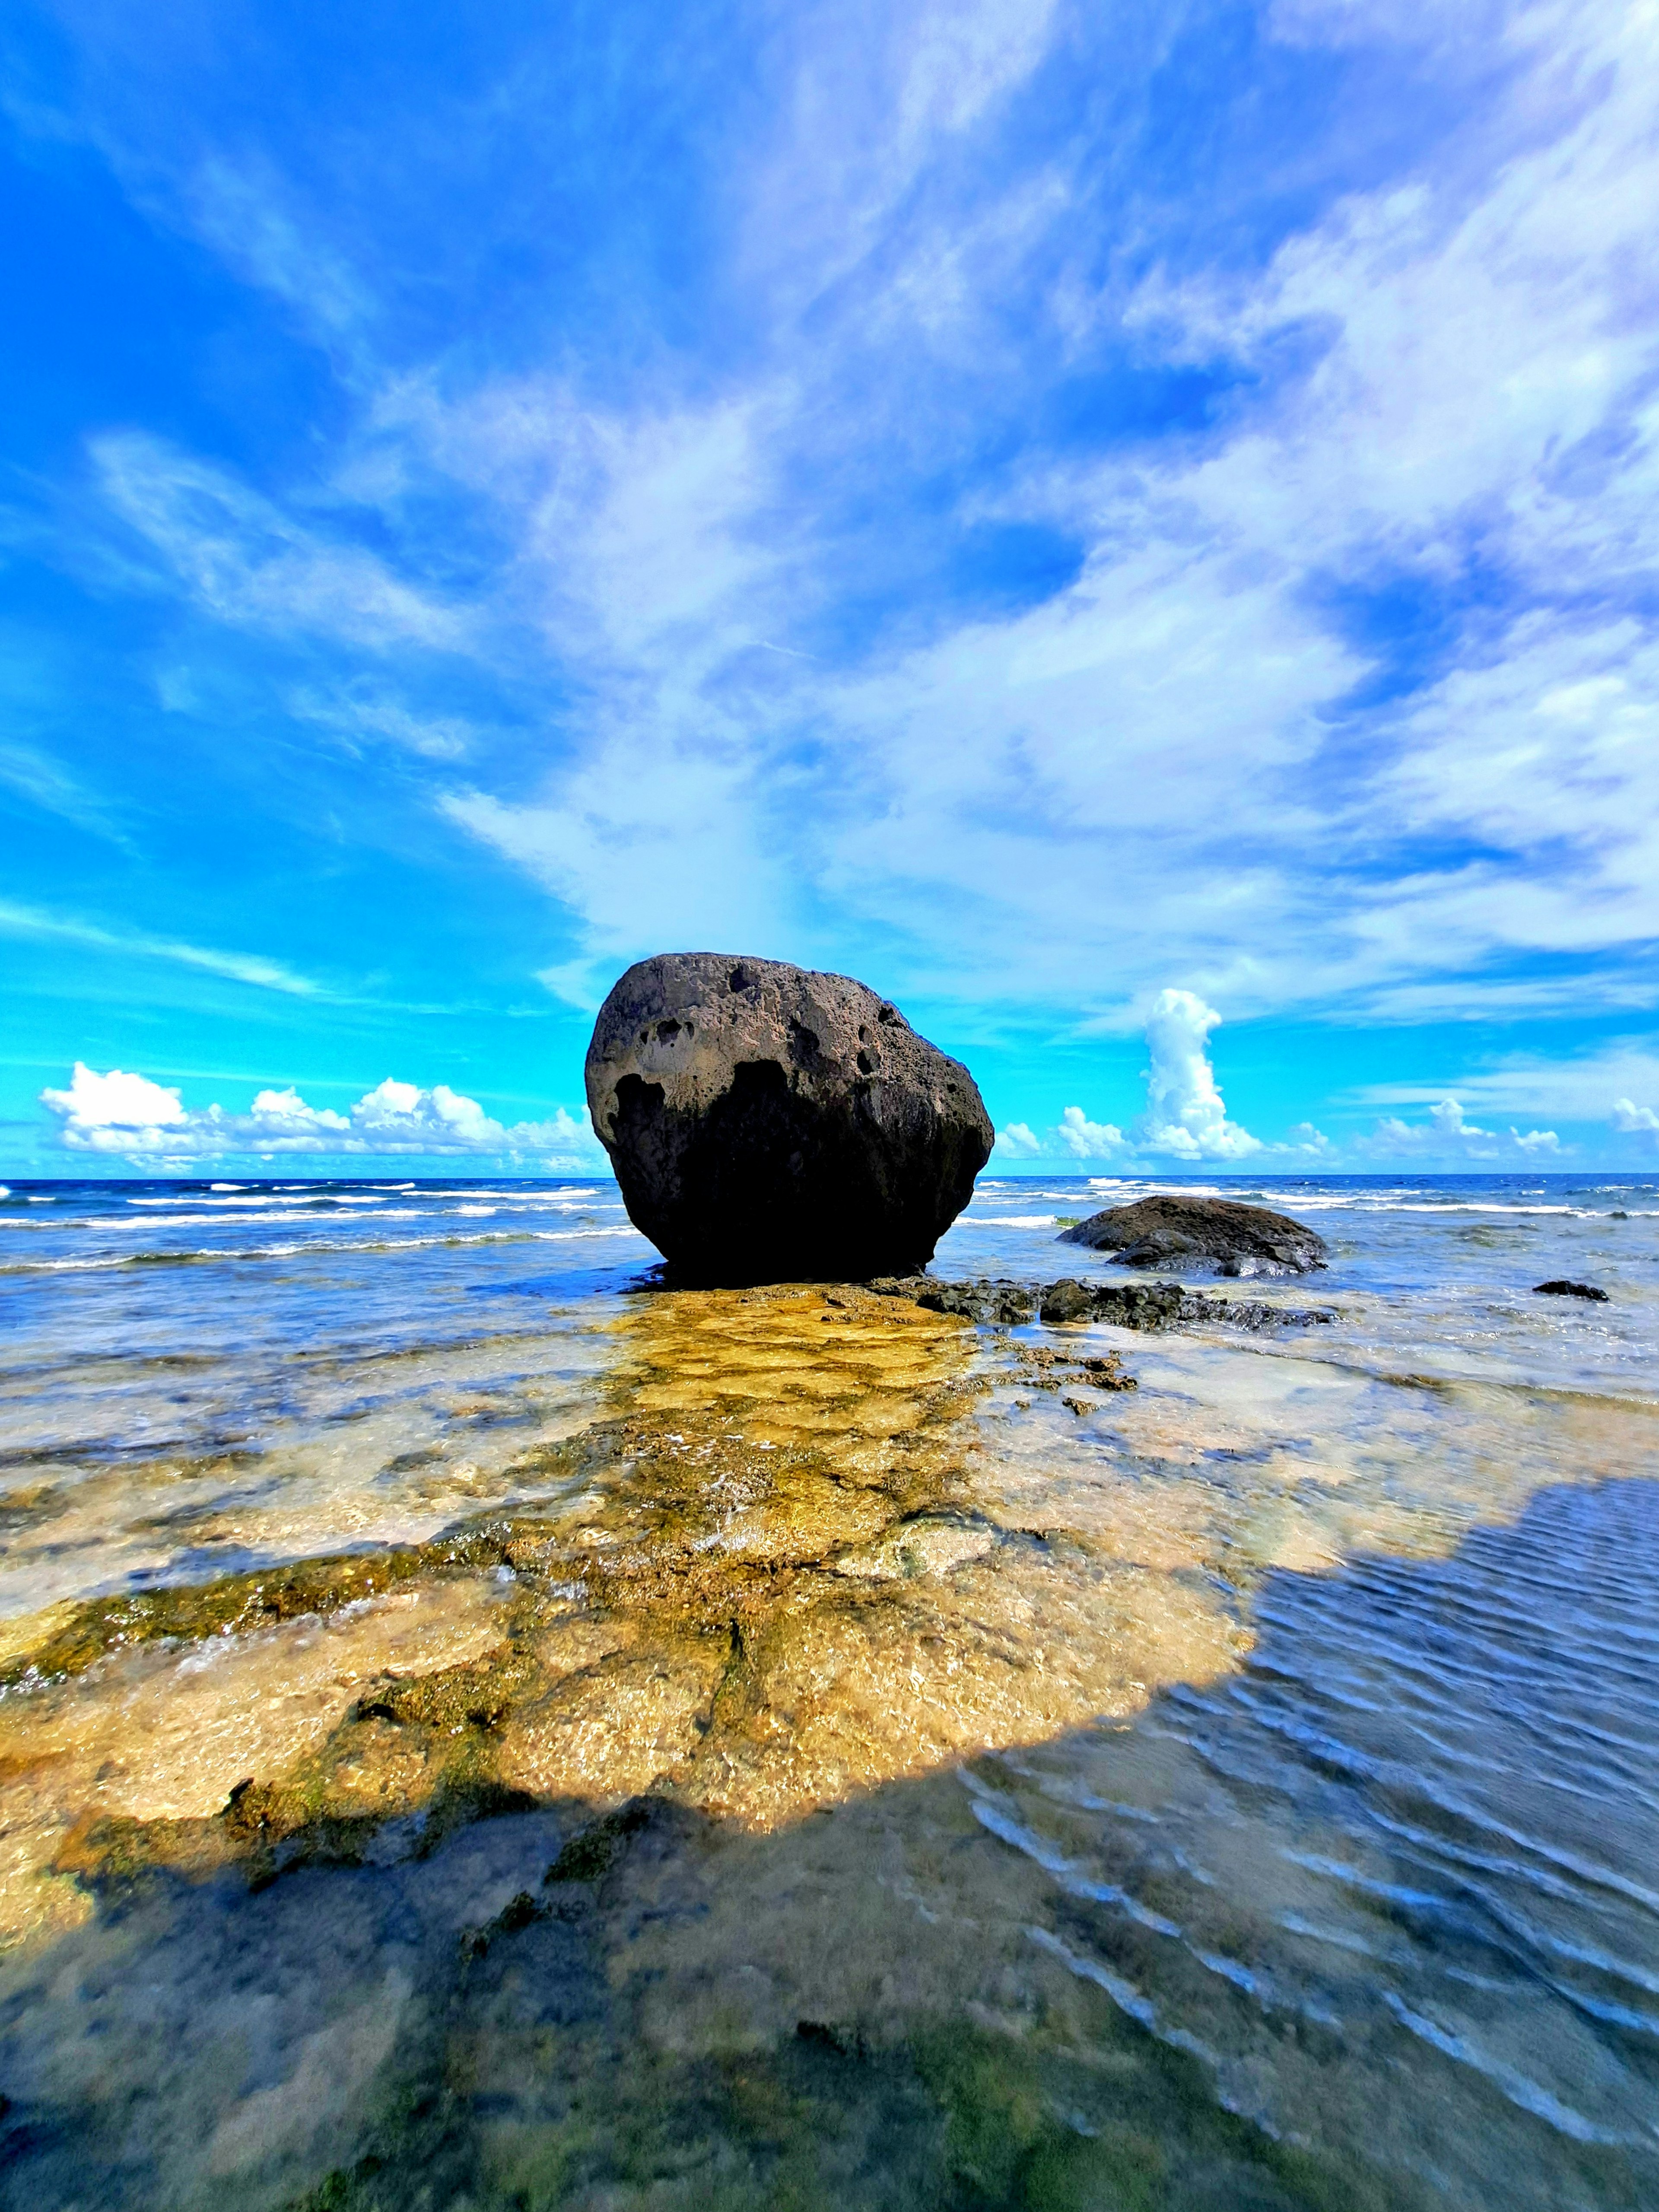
(1402, 1198)
(248, 1199)
(1383, 1202)
(304, 1195)
(205, 1252)
(558, 1202)
(240, 1220)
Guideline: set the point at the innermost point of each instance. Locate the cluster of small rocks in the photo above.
(1000, 1302)
(1048, 1370)
(1128, 1305)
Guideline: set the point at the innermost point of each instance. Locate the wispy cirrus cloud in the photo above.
(249, 561)
(236, 966)
(36, 775)
(1176, 752)
(1580, 1087)
(361, 712)
(1062, 515)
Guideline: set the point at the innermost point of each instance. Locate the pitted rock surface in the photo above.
(1212, 1232)
(771, 1123)
(1146, 1306)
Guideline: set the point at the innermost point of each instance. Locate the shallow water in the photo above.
(958, 1783)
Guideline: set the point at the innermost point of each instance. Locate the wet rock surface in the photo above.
(771, 1123)
(767, 1577)
(1219, 1232)
(644, 1841)
(1562, 1289)
(1127, 1305)
(1003, 1302)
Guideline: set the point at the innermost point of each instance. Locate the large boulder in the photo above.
(1216, 1232)
(769, 1123)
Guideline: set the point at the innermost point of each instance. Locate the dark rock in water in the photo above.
(1137, 1305)
(1562, 1289)
(1107, 1375)
(1235, 1239)
(1000, 1302)
(1127, 1305)
(769, 1123)
(1254, 1313)
(1161, 1305)
(1066, 1301)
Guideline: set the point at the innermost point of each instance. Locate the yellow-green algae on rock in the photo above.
(776, 1582)
(818, 1547)
(817, 1539)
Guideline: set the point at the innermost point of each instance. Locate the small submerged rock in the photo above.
(1238, 1240)
(769, 1123)
(925, 1543)
(1561, 1288)
(1047, 1369)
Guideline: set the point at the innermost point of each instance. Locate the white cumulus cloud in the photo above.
(1086, 1140)
(1632, 1119)
(1449, 1132)
(1305, 1139)
(1448, 1118)
(128, 1117)
(1536, 1141)
(94, 1104)
(1185, 1112)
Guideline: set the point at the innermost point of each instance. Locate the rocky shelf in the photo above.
(1128, 1305)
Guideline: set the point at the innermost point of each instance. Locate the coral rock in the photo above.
(769, 1123)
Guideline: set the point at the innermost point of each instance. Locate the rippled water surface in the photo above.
(479, 1728)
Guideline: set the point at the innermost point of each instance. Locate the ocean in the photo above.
(479, 1727)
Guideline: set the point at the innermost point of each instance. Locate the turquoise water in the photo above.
(1254, 1800)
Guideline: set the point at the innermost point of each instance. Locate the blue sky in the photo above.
(1131, 528)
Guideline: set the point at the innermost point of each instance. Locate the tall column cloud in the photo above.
(1185, 1112)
